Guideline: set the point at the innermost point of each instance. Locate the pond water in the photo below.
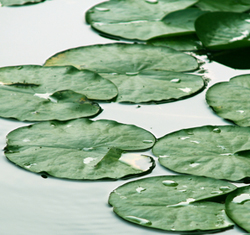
(31, 204)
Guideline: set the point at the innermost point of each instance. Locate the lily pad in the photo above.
(18, 2)
(131, 66)
(224, 5)
(238, 207)
(230, 100)
(220, 152)
(174, 23)
(35, 93)
(81, 149)
(173, 203)
(223, 30)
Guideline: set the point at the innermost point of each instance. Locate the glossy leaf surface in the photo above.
(172, 203)
(139, 71)
(238, 207)
(223, 30)
(220, 152)
(81, 149)
(230, 100)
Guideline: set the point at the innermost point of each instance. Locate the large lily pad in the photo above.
(220, 152)
(175, 23)
(131, 66)
(81, 149)
(238, 207)
(224, 5)
(18, 2)
(173, 203)
(223, 30)
(230, 100)
(35, 93)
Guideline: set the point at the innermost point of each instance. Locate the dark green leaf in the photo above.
(18, 2)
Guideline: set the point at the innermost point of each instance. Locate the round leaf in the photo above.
(133, 68)
(170, 203)
(238, 207)
(223, 30)
(220, 152)
(81, 149)
(230, 100)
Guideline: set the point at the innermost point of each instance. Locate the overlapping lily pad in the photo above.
(224, 5)
(230, 100)
(173, 203)
(223, 30)
(238, 207)
(18, 2)
(35, 93)
(141, 72)
(81, 149)
(220, 152)
(142, 20)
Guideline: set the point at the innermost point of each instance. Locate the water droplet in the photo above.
(87, 160)
(164, 156)
(35, 112)
(240, 111)
(69, 125)
(190, 133)
(247, 20)
(169, 183)
(222, 147)
(183, 138)
(138, 220)
(87, 149)
(46, 96)
(186, 90)
(132, 73)
(29, 165)
(217, 130)
(183, 203)
(176, 80)
(26, 140)
(183, 190)
(151, 1)
(140, 189)
(226, 154)
(216, 192)
(241, 199)
(195, 164)
(194, 141)
(224, 188)
(148, 141)
(202, 188)
(102, 9)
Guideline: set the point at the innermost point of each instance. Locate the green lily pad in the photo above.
(224, 5)
(18, 2)
(174, 23)
(220, 152)
(230, 100)
(238, 207)
(81, 149)
(223, 30)
(35, 93)
(134, 68)
(173, 203)
(180, 43)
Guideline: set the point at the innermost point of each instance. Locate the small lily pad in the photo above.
(138, 70)
(81, 149)
(223, 30)
(220, 152)
(173, 203)
(230, 100)
(238, 207)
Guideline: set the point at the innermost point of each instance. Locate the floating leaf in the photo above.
(224, 5)
(238, 207)
(132, 66)
(172, 203)
(223, 30)
(230, 100)
(18, 2)
(35, 93)
(220, 152)
(81, 149)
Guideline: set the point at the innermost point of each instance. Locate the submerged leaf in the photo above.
(173, 203)
(81, 149)
(36, 93)
(134, 68)
(223, 30)
(18, 2)
(230, 100)
(238, 207)
(220, 152)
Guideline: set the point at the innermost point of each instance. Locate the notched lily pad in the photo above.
(18, 2)
(36, 93)
(173, 203)
(230, 100)
(223, 30)
(238, 207)
(81, 149)
(136, 69)
(220, 152)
